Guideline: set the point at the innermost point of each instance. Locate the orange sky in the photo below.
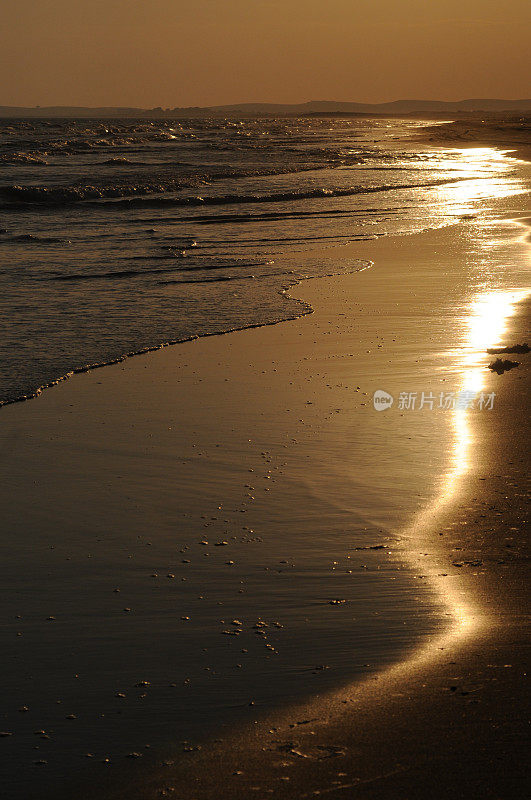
(205, 52)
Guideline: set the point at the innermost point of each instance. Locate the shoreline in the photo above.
(504, 135)
(75, 392)
(407, 733)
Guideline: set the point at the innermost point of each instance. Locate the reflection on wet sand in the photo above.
(485, 324)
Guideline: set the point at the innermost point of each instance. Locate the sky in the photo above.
(169, 53)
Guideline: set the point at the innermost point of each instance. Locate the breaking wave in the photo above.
(118, 196)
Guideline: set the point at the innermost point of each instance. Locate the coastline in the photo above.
(509, 133)
(449, 719)
(125, 388)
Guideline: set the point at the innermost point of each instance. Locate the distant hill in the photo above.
(397, 107)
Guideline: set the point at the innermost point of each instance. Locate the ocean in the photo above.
(118, 236)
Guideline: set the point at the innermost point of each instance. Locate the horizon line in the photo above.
(281, 104)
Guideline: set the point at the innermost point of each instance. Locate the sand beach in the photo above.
(339, 590)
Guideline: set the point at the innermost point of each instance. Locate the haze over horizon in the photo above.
(170, 53)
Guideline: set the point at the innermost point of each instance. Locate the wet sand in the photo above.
(276, 425)
(507, 132)
(452, 719)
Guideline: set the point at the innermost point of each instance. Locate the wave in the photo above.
(60, 195)
(118, 274)
(274, 197)
(267, 216)
(23, 158)
(119, 197)
(121, 161)
(133, 273)
(271, 216)
(304, 308)
(218, 279)
(95, 194)
(30, 237)
(362, 265)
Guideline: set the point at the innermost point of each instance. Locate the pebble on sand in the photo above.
(501, 365)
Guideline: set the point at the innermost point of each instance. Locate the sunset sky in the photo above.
(207, 52)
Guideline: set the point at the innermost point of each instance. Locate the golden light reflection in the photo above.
(486, 323)
(488, 316)
(488, 176)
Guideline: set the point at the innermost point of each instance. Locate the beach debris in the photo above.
(320, 752)
(296, 752)
(515, 348)
(286, 747)
(372, 547)
(331, 751)
(502, 365)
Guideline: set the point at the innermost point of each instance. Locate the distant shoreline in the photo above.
(422, 108)
(503, 133)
